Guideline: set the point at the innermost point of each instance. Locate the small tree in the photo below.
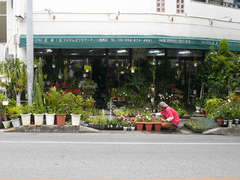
(220, 71)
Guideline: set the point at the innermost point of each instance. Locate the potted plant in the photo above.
(76, 116)
(157, 124)
(50, 115)
(61, 114)
(139, 122)
(87, 68)
(148, 123)
(13, 113)
(3, 112)
(26, 111)
(38, 114)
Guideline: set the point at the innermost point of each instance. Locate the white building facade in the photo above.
(184, 24)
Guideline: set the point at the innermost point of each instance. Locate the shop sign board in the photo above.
(104, 41)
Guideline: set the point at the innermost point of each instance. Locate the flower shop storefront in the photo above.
(125, 68)
(130, 69)
(82, 77)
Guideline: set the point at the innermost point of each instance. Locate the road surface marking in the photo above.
(113, 143)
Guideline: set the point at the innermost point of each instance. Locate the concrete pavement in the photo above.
(118, 156)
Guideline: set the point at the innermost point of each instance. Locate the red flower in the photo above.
(64, 85)
(57, 85)
(76, 91)
(68, 90)
(172, 85)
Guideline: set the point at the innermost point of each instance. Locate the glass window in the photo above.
(160, 5)
(180, 6)
(3, 22)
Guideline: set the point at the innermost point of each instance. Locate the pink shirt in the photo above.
(170, 112)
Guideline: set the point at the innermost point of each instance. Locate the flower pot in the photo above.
(225, 123)
(75, 118)
(236, 122)
(230, 123)
(50, 119)
(198, 109)
(38, 119)
(6, 124)
(148, 126)
(220, 121)
(5, 103)
(132, 128)
(15, 122)
(26, 119)
(125, 128)
(61, 118)
(157, 126)
(139, 125)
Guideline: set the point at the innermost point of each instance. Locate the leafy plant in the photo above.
(13, 111)
(220, 71)
(25, 109)
(212, 105)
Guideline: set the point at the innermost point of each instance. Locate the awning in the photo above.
(123, 41)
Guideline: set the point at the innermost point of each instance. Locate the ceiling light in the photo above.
(122, 51)
(184, 52)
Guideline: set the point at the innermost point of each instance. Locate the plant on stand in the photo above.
(16, 78)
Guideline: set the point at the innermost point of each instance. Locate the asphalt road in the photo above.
(129, 155)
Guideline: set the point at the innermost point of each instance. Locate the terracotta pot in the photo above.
(139, 125)
(220, 121)
(157, 126)
(148, 126)
(60, 119)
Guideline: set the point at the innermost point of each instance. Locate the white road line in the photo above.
(112, 143)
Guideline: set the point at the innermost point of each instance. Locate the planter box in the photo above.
(50, 119)
(38, 119)
(75, 119)
(26, 119)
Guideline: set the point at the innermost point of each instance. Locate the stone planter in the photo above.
(16, 122)
(6, 124)
(38, 119)
(75, 118)
(61, 118)
(50, 119)
(26, 119)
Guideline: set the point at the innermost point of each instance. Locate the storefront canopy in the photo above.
(123, 41)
